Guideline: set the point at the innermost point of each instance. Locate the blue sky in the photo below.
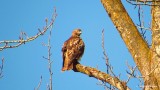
(24, 65)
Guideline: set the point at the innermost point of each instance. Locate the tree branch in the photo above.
(16, 43)
(39, 84)
(49, 60)
(109, 67)
(143, 2)
(129, 33)
(1, 68)
(93, 72)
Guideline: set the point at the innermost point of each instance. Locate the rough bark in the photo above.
(93, 72)
(155, 49)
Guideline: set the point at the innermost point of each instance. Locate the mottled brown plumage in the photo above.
(72, 50)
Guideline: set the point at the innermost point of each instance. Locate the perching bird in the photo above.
(72, 50)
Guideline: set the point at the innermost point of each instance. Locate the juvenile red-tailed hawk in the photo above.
(72, 50)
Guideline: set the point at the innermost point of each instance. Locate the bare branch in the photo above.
(49, 61)
(109, 67)
(144, 28)
(1, 68)
(16, 43)
(131, 73)
(143, 2)
(101, 83)
(39, 84)
(48, 45)
(104, 51)
(48, 58)
(141, 25)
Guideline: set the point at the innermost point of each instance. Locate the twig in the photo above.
(49, 60)
(101, 83)
(49, 50)
(141, 24)
(143, 2)
(142, 27)
(1, 68)
(49, 86)
(131, 74)
(39, 84)
(109, 68)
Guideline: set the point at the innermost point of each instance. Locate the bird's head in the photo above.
(76, 32)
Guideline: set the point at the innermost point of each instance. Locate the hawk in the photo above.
(72, 50)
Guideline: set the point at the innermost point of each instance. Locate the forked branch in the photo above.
(23, 38)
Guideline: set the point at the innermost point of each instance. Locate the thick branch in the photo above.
(92, 72)
(129, 33)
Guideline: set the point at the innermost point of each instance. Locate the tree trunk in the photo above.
(146, 59)
(155, 49)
